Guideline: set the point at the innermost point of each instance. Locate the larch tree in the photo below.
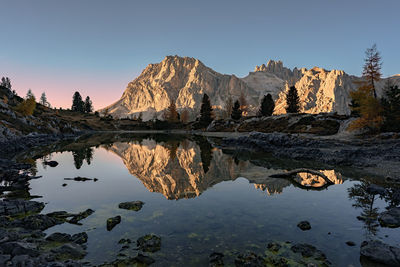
(172, 113)
(292, 101)
(372, 67)
(29, 94)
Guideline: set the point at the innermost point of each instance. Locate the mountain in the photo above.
(184, 80)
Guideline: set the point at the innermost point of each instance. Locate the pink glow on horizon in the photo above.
(103, 90)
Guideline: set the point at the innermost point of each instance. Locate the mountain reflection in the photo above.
(186, 168)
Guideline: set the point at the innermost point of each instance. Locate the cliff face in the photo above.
(184, 80)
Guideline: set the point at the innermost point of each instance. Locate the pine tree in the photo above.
(5, 82)
(43, 99)
(206, 112)
(236, 111)
(29, 94)
(391, 108)
(88, 106)
(292, 101)
(372, 67)
(77, 103)
(267, 106)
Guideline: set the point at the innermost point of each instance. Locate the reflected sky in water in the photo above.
(200, 200)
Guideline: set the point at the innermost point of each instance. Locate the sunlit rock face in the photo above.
(184, 80)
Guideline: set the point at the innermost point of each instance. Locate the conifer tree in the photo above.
(88, 106)
(77, 103)
(267, 106)
(236, 111)
(391, 108)
(206, 112)
(29, 94)
(372, 67)
(292, 101)
(5, 82)
(43, 99)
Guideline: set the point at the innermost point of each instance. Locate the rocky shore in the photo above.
(379, 155)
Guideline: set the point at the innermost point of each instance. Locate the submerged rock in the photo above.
(112, 222)
(350, 243)
(140, 260)
(390, 218)
(288, 254)
(51, 163)
(59, 237)
(379, 252)
(216, 259)
(38, 222)
(131, 205)
(304, 225)
(249, 259)
(80, 216)
(70, 250)
(149, 243)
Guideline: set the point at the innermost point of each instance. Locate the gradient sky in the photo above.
(97, 47)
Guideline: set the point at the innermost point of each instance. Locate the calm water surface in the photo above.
(200, 200)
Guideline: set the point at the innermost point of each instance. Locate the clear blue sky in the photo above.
(98, 46)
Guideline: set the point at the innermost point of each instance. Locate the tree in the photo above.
(236, 111)
(29, 94)
(43, 99)
(391, 108)
(77, 103)
(228, 107)
(372, 67)
(206, 112)
(292, 101)
(5, 82)
(88, 106)
(369, 109)
(27, 106)
(140, 117)
(185, 116)
(244, 107)
(267, 106)
(171, 114)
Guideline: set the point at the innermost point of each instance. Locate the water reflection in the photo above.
(186, 168)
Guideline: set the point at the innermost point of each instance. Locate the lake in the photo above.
(200, 199)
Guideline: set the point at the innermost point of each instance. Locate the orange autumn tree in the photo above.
(368, 108)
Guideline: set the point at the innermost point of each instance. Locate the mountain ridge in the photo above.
(184, 80)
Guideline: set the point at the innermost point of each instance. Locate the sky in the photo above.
(96, 47)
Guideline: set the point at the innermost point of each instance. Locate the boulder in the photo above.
(149, 243)
(304, 225)
(131, 205)
(17, 207)
(379, 252)
(390, 218)
(112, 222)
(70, 250)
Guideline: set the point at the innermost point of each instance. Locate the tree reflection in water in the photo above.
(82, 154)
